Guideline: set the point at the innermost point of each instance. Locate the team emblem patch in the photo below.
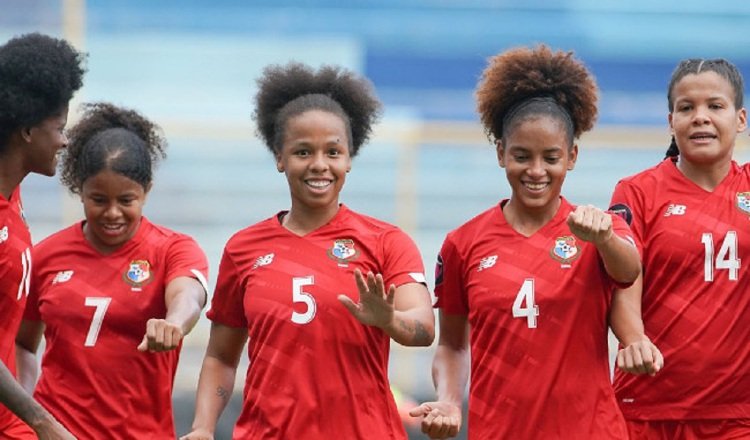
(3, 234)
(743, 202)
(565, 249)
(343, 251)
(138, 273)
(439, 270)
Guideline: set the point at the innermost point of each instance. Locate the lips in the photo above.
(112, 230)
(318, 184)
(702, 136)
(535, 186)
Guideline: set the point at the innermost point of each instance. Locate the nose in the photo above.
(112, 211)
(536, 168)
(701, 116)
(319, 162)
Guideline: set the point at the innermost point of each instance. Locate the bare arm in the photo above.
(620, 257)
(404, 312)
(184, 297)
(216, 379)
(450, 373)
(27, 343)
(639, 354)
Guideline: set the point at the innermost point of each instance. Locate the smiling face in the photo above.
(704, 119)
(113, 205)
(536, 155)
(44, 141)
(315, 158)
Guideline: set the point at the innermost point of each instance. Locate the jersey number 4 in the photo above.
(531, 310)
(726, 259)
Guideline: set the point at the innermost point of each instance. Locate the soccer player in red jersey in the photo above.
(38, 77)
(525, 286)
(691, 213)
(113, 294)
(318, 290)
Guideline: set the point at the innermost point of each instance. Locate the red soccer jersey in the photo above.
(537, 308)
(95, 309)
(696, 294)
(15, 271)
(315, 371)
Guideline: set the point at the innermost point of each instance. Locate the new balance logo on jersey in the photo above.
(3, 234)
(265, 260)
(675, 210)
(487, 262)
(63, 276)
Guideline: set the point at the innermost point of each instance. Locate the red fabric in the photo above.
(109, 389)
(551, 381)
(324, 376)
(700, 326)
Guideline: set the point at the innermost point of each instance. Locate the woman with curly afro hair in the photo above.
(527, 283)
(113, 294)
(38, 76)
(319, 290)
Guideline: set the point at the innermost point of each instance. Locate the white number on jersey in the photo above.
(300, 296)
(101, 304)
(726, 259)
(531, 311)
(23, 286)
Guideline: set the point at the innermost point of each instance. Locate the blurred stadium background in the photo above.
(190, 65)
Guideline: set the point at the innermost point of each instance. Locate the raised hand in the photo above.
(376, 306)
(161, 335)
(590, 223)
(439, 419)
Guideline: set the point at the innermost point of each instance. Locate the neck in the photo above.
(707, 176)
(303, 220)
(11, 174)
(527, 221)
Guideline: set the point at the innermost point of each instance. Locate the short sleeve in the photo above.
(449, 282)
(227, 304)
(186, 259)
(627, 203)
(31, 310)
(402, 261)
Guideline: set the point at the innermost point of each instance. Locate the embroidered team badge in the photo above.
(743, 202)
(3, 234)
(565, 249)
(343, 251)
(138, 274)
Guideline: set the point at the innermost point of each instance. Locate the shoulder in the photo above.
(648, 177)
(253, 233)
(476, 225)
(63, 237)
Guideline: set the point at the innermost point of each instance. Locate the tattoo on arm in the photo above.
(222, 393)
(417, 333)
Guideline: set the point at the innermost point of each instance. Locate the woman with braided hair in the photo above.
(525, 286)
(319, 290)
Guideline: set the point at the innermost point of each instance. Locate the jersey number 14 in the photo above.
(726, 258)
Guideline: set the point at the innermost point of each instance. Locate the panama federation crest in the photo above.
(565, 249)
(743, 202)
(343, 251)
(138, 273)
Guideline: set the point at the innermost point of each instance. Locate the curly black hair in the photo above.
(285, 91)
(111, 138)
(38, 76)
(522, 82)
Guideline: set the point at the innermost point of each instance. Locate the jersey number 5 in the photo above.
(101, 304)
(531, 311)
(300, 296)
(726, 259)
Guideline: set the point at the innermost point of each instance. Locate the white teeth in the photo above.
(535, 186)
(318, 183)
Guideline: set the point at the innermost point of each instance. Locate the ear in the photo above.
(26, 133)
(148, 187)
(500, 153)
(572, 157)
(279, 164)
(742, 123)
(671, 126)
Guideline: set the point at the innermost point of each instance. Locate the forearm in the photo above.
(625, 314)
(18, 401)
(27, 369)
(450, 373)
(620, 258)
(214, 392)
(414, 327)
(184, 312)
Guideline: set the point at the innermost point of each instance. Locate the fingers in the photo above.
(419, 411)
(590, 223)
(440, 426)
(349, 304)
(642, 357)
(161, 335)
